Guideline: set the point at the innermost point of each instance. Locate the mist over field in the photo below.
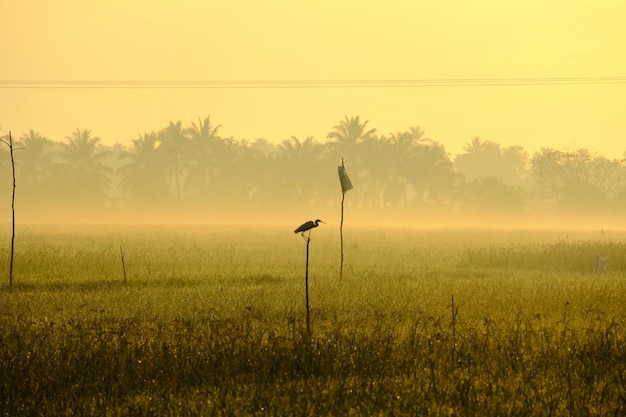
(189, 173)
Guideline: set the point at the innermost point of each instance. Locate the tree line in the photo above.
(195, 164)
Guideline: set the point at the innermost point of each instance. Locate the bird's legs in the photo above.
(307, 238)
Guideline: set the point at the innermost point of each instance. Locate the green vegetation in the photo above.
(212, 322)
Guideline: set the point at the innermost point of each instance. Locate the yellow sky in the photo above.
(184, 40)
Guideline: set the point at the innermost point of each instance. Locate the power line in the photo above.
(275, 84)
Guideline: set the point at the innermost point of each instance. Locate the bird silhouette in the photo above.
(307, 226)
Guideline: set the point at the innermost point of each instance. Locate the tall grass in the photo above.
(212, 322)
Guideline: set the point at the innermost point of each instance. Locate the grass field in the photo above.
(211, 321)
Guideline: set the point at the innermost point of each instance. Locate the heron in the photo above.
(307, 226)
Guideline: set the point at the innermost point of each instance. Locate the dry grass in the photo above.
(211, 322)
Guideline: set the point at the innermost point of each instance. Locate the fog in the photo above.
(187, 174)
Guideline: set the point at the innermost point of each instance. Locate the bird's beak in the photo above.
(322, 222)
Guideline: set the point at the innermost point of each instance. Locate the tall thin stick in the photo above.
(123, 264)
(306, 283)
(11, 149)
(346, 186)
(455, 312)
(343, 196)
(12, 212)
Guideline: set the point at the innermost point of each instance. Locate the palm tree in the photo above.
(144, 177)
(389, 163)
(174, 145)
(418, 134)
(402, 151)
(481, 159)
(203, 142)
(349, 141)
(230, 172)
(34, 163)
(36, 159)
(375, 160)
(348, 137)
(431, 172)
(300, 162)
(475, 146)
(486, 159)
(203, 131)
(81, 172)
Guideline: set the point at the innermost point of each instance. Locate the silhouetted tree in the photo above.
(5, 166)
(267, 171)
(488, 195)
(489, 159)
(301, 169)
(34, 165)
(577, 180)
(375, 163)
(404, 166)
(202, 167)
(236, 165)
(404, 149)
(174, 144)
(346, 140)
(80, 172)
(144, 174)
(430, 172)
(618, 201)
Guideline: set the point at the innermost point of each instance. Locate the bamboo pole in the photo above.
(306, 284)
(123, 264)
(343, 196)
(346, 186)
(9, 143)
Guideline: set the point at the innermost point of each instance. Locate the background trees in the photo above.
(488, 159)
(5, 166)
(144, 171)
(404, 170)
(79, 173)
(347, 139)
(577, 180)
(174, 146)
(204, 157)
(34, 166)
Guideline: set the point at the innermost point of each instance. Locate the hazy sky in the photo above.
(276, 40)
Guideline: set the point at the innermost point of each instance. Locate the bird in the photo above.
(307, 226)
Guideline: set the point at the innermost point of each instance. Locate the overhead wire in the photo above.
(304, 83)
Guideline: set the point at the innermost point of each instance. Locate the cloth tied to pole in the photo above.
(346, 185)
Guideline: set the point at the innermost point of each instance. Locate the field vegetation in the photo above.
(211, 321)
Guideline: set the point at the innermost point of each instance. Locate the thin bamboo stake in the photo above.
(123, 264)
(346, 186)
(306, 283)
(343, 196)
(9, 143)
(455, 313)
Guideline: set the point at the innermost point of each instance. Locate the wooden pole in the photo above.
(11, 149)
(306, 283)
(343, 196)
(455, 312)
(123, 264)
(346, 186)
(12, 213)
